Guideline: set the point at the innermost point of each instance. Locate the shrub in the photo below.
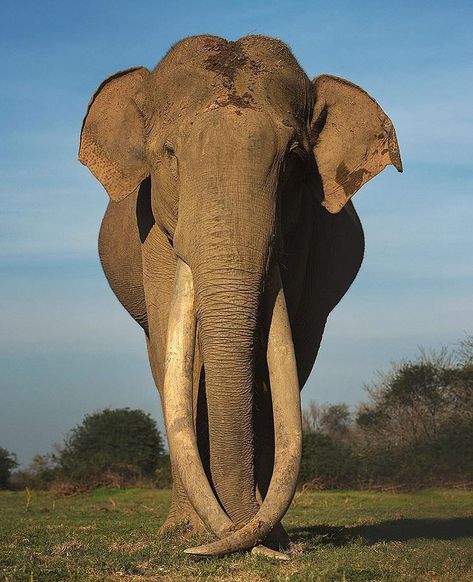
(7, 463)
(163, 477)
(39, 474)
(416, 428)
(113, 447)
(327, 463)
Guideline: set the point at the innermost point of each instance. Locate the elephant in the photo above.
(229, 237)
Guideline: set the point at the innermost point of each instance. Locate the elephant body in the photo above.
(230, 171)
(337, 246)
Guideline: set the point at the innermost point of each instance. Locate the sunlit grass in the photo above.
(344, 535)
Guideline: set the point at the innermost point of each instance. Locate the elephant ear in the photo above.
(352, 137)
(112, 141)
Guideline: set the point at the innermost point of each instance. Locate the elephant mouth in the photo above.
(178, 414)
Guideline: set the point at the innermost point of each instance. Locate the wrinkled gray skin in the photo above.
(227, 156)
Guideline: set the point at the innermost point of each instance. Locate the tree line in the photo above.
(111, 447)
(415, 428)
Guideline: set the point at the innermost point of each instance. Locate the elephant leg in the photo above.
(181, 511)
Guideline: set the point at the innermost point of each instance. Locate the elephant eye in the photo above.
(172, 160)
(169, 149)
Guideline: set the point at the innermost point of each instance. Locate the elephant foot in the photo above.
(183, 522)
(277, 538)
(275, 541)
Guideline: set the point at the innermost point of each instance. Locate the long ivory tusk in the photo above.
(287, 434)
(177, 405)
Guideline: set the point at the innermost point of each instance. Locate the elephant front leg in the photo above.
(181, 513)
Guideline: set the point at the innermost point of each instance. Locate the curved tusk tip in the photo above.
(270, 554)
(198, 551)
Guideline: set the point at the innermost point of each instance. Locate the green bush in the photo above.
(39, 474)
(162, 475)
(113, 446)
(326, 462)
(416, 428)
(446, 458)
(7, 463)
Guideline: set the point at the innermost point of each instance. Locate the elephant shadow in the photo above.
(397, 530)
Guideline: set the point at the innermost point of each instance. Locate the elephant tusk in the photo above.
(285, 396)
(177, 405)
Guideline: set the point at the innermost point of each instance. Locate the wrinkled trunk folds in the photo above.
(227, 312)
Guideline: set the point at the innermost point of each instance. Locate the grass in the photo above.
(337, 536)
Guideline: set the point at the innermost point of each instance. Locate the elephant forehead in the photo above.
(242, 74)
(228, 57)
(227, 60)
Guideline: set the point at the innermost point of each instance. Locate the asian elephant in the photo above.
(229, 237)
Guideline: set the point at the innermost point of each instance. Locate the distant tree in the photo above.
(462, 385)
(7, 463)
(327, 459)
(417, 423)
(42, 470)
(333, 420)
(416, 427)
(311, 418)
(464, 352)
(122, 441)
(416, 398)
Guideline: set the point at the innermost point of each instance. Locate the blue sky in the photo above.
(67, 347)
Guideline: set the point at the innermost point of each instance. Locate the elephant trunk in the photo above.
(228, 300)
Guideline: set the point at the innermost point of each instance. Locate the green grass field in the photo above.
(337, 536)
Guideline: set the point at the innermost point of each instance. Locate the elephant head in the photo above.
(247, 163)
